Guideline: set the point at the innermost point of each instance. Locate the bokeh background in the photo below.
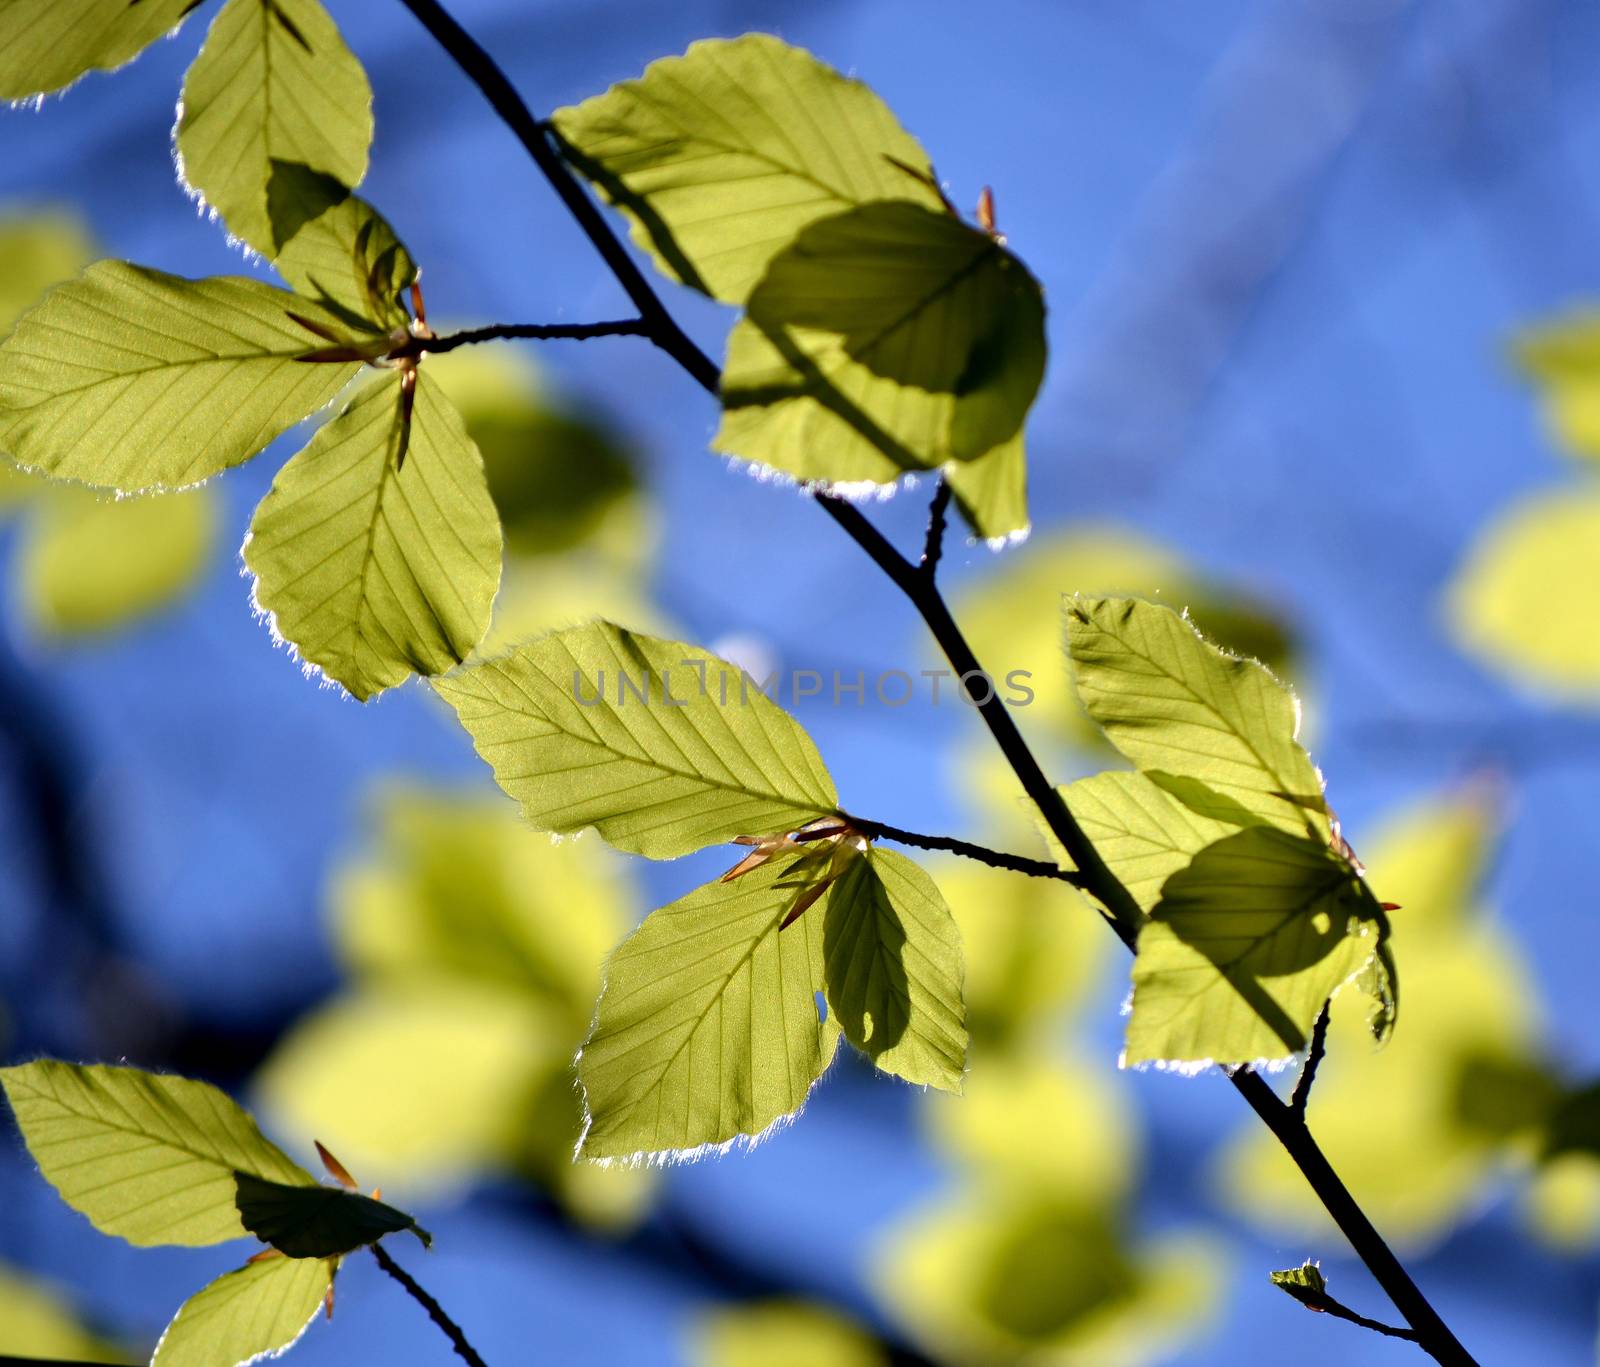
(1289, 251)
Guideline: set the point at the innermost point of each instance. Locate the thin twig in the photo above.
(1324, 1304)
(995, 859)
(1308, 1074)
(1123, 911)
(544, 332)
(451, 1330)
(933, 541)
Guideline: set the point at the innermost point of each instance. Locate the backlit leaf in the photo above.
(1305, 1283)
(991, 492)
(892, 968)
(90, 563)
(1526, 599)
(132, 379)
(1243, 948)
(48, 44)
(720, 157)
(349, 258)
(659, 746)
(147, 1157)
(317, 1221)
(373, 569)
(257, 1311)
(708, 1028)
(1175, 704)
(274, 83)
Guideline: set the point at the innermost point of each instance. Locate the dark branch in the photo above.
(933, 542)
(995, 859)
(1324, 1304)
(1308, 1074)
(543, 332)
(451, 1330)
(1096, 878)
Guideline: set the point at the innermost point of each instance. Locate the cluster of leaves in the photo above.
(154, 1159)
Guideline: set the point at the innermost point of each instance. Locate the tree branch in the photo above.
(1308, 1074)
(995, 859)
(933, 541)
(1124, 913)
(450, 1329)
(543, 332)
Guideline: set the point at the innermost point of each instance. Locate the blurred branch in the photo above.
(1308, 1074)
(1096, 878)
(450, 1329)
(933, 542)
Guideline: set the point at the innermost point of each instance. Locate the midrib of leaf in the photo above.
(979, 259)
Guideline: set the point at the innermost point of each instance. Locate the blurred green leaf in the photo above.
(708, 759)
(719, 158)
(89, 563)
(48, 44)
(892, 970)
(38, 250)
(555, 475)
(780, 1333)
(1174, 703)
(708, 1028)
(348, 258)
(257, 1311)
(317, 1221)
(1013, 614)
(1564, 359)
(1246, 944)
(372, 568)
(273, 83)
(132, 379)
(1417, 1162)
(36, 1323)
(1526, 598)
(147, 1157)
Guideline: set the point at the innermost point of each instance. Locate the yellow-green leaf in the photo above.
(349, 258)
(1246, 944)
(273, 84)
(991, 492)
(1564, 358)
(708, 1029)
(147, 1157)
(892, 968)
(778, 1333)
(1175, 704)
(373, 569)
(36, 251)
(258, 1311)
(720, 157)
(661, 747)
(132, 379)
(36, 1322)
(90, 563)
(1526, 600)
(48, 44)
(317, 1221)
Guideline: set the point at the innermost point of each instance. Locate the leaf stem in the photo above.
(1124, 913)
(933, 541)
(450, 1329)
(1324, 1304)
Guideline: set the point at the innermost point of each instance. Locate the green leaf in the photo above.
(991, 492)
(46, 45)
(349, 259)
(892, 968)
(132, 379)
(40, 1324)
(1526, 599)
(1564, 359)
(147, 1157)
(273, 83)
(258, 1311)
(1143, 834)
(373, 569)
(1305, 1283)
(720, 157)
(705, 758)
(316, 1222)
(1246, 944)
(886, 339)
(89, 563)
(1175, 704)
(707, 1029)
(781, 1333)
